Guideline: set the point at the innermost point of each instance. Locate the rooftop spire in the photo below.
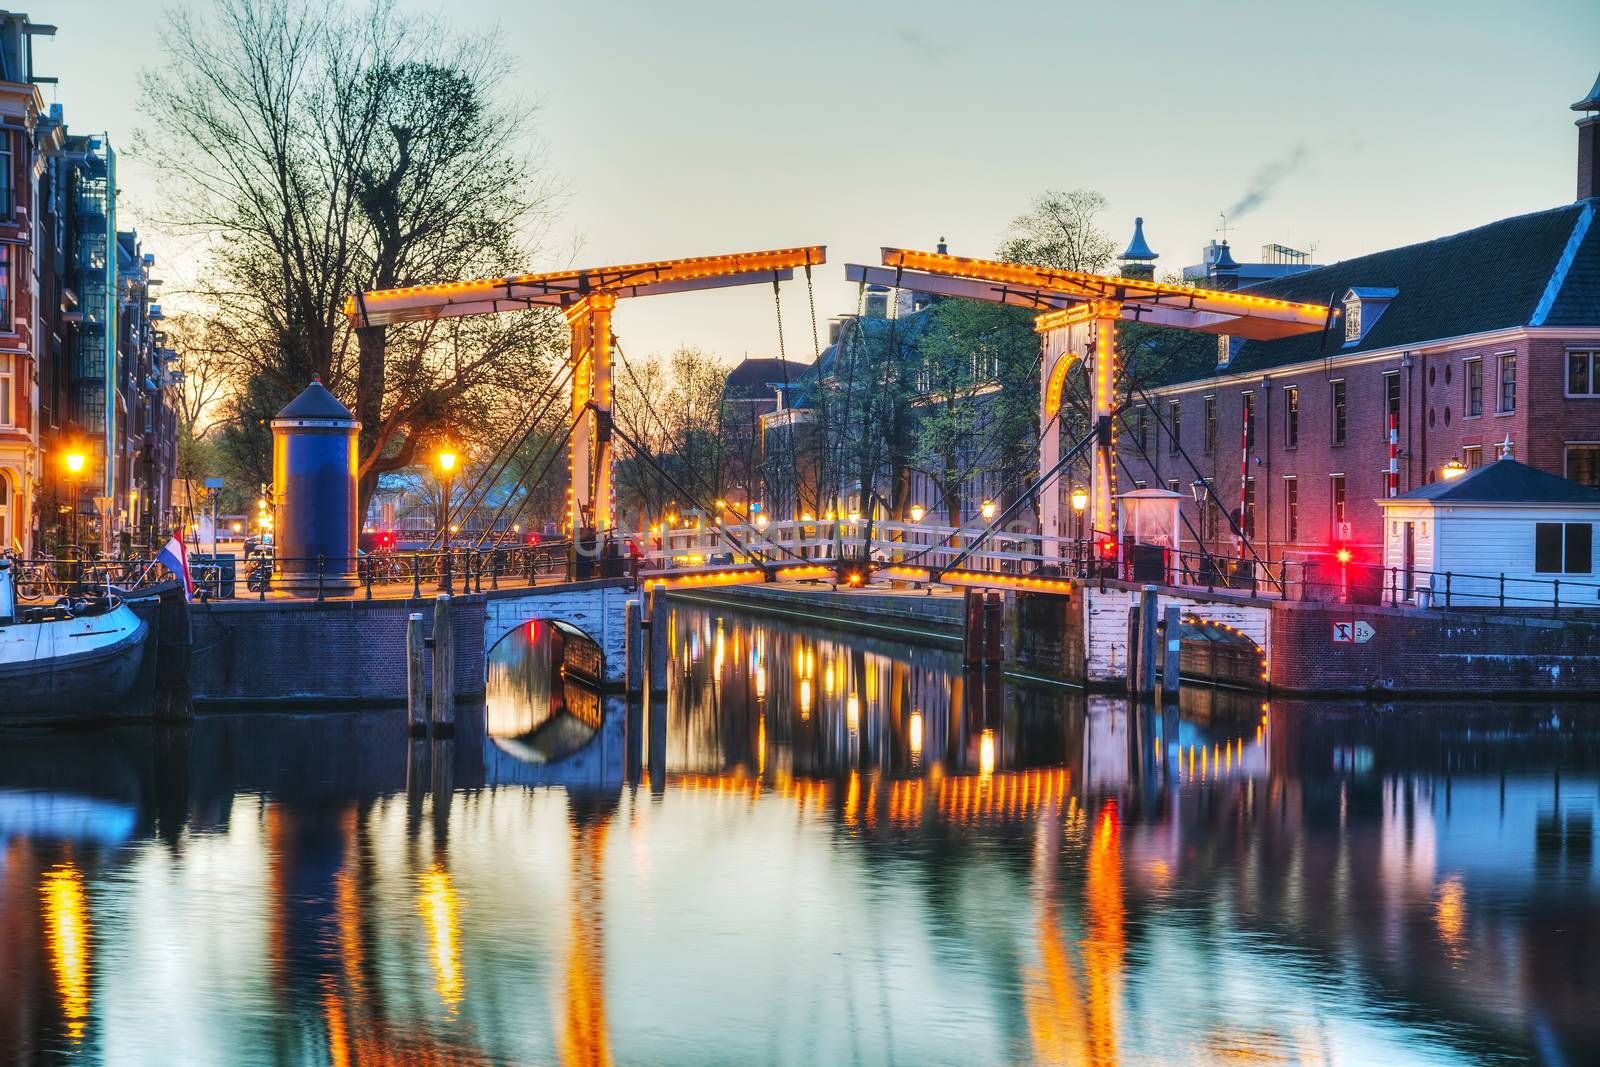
(1138, 261)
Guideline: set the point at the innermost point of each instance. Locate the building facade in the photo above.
(84, 370)
(1462, 346)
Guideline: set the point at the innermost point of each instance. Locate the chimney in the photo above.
(943, 249)
(1589, 143)
(1224, 269)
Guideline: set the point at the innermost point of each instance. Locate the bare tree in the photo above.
(325, 150)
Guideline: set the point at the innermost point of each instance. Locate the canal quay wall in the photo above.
(333, 652)
(1312, 649)
(352, 651)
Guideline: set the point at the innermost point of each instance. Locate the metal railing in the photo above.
(44, 579)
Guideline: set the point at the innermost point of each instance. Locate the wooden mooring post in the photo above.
(634, 649)
(1149, 655)
(416, 676)
(444, 663)
(657, 621)
(1172, 662)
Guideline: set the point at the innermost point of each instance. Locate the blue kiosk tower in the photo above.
(314, 488)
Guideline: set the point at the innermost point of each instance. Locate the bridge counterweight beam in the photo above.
(1103, 478)
(589, 449)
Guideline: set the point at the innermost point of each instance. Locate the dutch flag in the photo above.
(175, 557)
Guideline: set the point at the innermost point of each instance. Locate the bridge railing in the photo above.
(890, 542)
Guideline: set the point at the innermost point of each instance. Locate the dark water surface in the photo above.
(844, 851)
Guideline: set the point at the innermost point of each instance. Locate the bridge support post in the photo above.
(416, 676)
(1172, 663)
(444, 661)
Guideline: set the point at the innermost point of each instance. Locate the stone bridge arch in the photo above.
(598, 609)
(1105, 621)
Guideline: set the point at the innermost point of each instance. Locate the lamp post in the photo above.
(75, 461)
(447, 466)
(1080, 501)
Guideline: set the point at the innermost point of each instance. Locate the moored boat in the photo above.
(75, 659)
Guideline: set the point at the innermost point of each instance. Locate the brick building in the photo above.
(1463, 343)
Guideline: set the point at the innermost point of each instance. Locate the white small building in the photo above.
(1502, 534)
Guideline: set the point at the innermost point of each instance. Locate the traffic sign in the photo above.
(1353, 632)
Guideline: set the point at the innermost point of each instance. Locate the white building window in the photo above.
(1352, 319)
(1583, 372)
(8, 412)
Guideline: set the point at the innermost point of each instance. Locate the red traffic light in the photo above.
(1344, 555)
(533, 539)
(1108, 549)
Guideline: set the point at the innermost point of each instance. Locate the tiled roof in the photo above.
(1490, 278)
(315, 402)
(1506, 481)
(752, 377)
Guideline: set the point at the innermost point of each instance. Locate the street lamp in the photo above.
(447, 466)
(987, 511)
(917, 512)
(1080, 500)
(1454, 469)
(75, 461)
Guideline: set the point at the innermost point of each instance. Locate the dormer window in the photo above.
(1361, 310)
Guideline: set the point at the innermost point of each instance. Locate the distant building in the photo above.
(1218, 269)
(753, 389)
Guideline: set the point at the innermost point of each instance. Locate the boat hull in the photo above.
(81, 668)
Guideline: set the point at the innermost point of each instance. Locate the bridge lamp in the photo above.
(1454, 469)
(1080, 499)
(918, 512)
(447, 465)
(988, 509)
(760, 520)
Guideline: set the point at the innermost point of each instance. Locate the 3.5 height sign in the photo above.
(1353, 632)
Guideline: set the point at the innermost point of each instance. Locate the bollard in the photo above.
(656, 674)
(444, 674)
(416, 577)
(322, 568)
(1149, 663)
(634, 649)
(1172, 663)
(366, 566)
(416, 676)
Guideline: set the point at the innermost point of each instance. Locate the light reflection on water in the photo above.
(857, 854)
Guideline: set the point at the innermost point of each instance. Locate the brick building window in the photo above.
(8, 183)
(1174, 425)
(1583, 462)
(1211, 425)
(1508, 383)
(1391, 402)
(1249, 416)
(1336, 483)
(8, 413)
(1563, 548)
(1291, 417)
(1583, 372)
(1291, 509)
(1474, 368)
(1337, 402)
(1172, 485)
(1472, 456)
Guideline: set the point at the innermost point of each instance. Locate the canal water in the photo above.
(840, 850)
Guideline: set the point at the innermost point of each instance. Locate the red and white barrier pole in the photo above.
(1394, 455)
